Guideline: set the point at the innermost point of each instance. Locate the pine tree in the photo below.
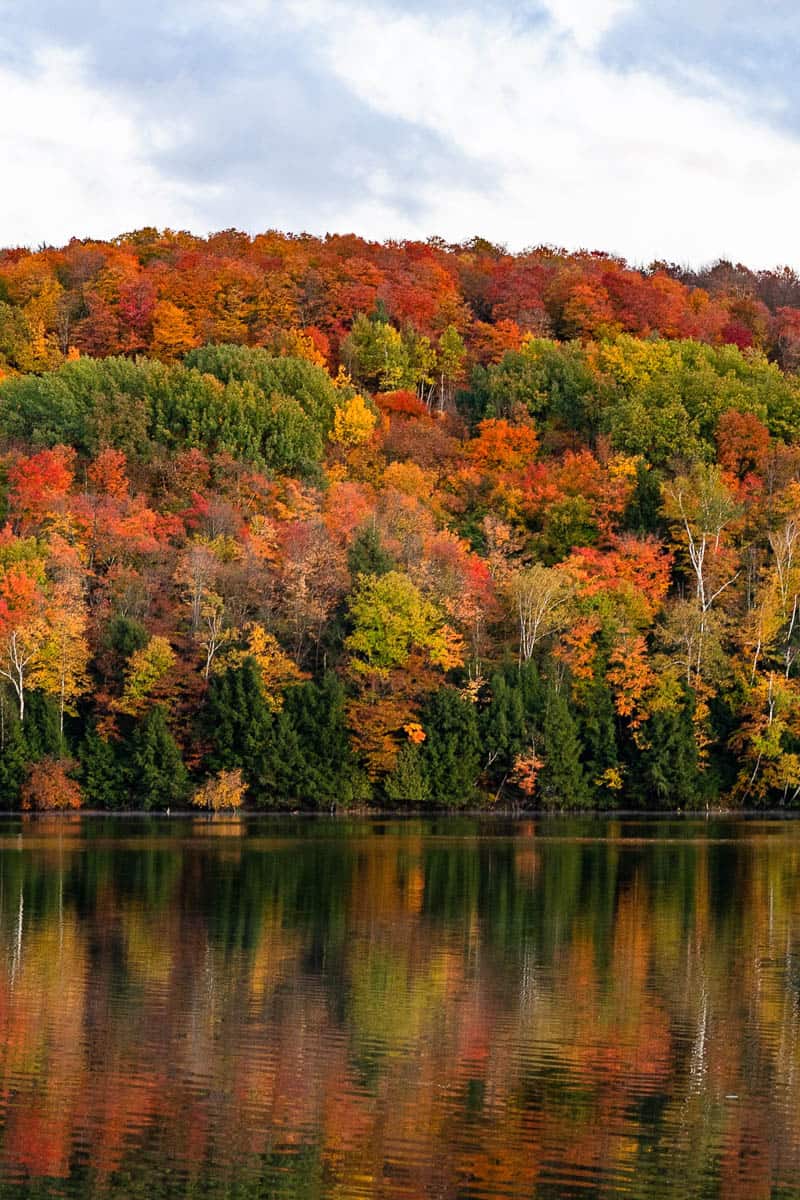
(452, 749)
(502, 725)
(158, 775)
(367, 555)
(409, 783)
(313, 763)
(562, 781)
(665, 772)
(103, 777)
(240, 727)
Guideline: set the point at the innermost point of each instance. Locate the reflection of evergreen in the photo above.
(549, 974)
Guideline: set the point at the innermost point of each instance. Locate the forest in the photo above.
(325, 524)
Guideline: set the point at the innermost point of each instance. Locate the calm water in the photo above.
(414, 1009)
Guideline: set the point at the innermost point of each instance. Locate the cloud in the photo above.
(581, 154)
(591, 123)
(211, 115)
(587, 21)
(731, 49)
(75, 163)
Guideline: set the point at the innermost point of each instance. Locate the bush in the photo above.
(48, 786)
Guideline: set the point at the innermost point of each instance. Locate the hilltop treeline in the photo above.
(326, 523)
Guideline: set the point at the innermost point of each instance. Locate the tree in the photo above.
(310, 759)
(540, 598)
(374, 353)
(450, 355)
(408, 783)
(23, 630)
(278, 671)
(451, 752)
(38, 485)
(353, 423)
(49, 785)
(391, 618)
(104, 777)
(562, 780)
(146, 671)
(238, 724)
(701, 506)
(62, 667)
(173, 333)
(226, 790)
(158, 777)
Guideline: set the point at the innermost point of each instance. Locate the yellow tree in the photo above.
(398, 649)
(61, 666)
(173, 332)
(24, 630)
(353, 422)
(278, 671)
(146, 670)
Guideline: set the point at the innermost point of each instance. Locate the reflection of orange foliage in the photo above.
(37, 1140)
(524, 1056)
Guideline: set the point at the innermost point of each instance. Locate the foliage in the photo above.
(407, 523)
(225, 790)
(49, 785)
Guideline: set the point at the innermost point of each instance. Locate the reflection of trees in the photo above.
(326, 1011)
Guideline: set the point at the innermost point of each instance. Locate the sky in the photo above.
(648, 129)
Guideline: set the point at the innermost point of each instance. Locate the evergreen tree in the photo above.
(664, 774)
(158, 776)
(367, 555)
(239, 725)
(502, 724)
(597, 730)
(409, 782)
(562, 780)
(14, 758)
(21, 745)
(103, 776)
(452, 749)
(42, 730)
(312, 762)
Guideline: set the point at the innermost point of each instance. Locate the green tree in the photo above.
(452, 749)
(310, 760)
(103, 775)
(239, 725)
(158, 776)
(408, 783)
(391, 618)
(562, 782)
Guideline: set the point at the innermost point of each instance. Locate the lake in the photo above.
(454, 1008)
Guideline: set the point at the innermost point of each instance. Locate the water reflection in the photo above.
(452, 1009)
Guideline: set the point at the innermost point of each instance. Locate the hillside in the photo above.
(328, 523)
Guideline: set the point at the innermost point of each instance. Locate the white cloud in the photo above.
(75, 163)
(587, 20)
(567, 149)
(582, 155)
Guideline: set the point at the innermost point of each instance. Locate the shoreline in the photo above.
(362, 814)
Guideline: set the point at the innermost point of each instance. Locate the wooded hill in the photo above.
(327, 523)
